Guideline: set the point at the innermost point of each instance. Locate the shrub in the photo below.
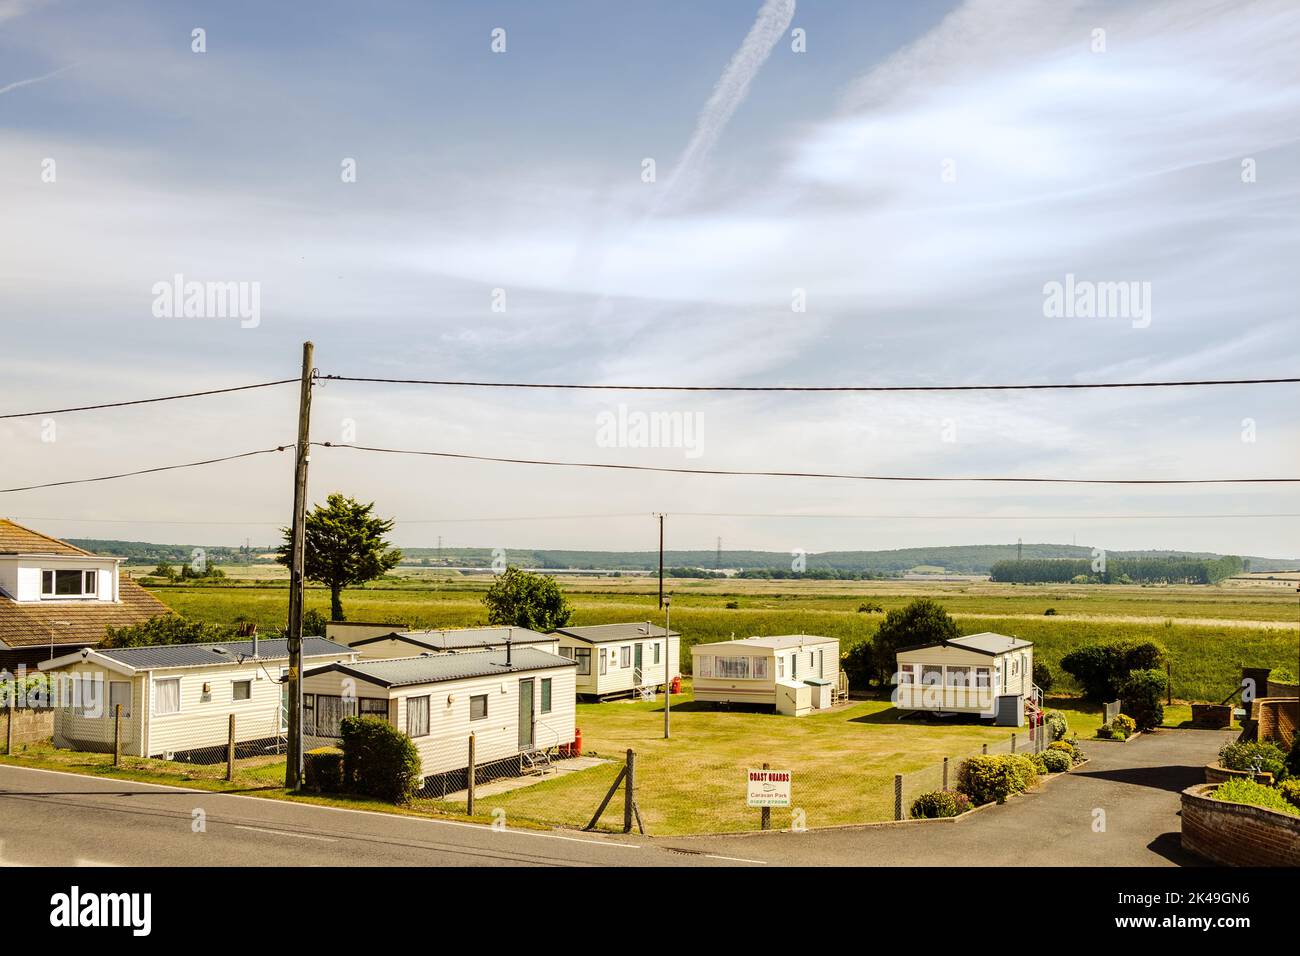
(1050, 612)
(1260, 757)
(733, 605)
(1043, 676)
(858, 664)
(323, 770)
(870, 607)
(991, 778)
(1055, 722)
(379, 760)
(1106, 732)
(1062, 745)
(1293, 758)
(1101, 668)
(1076, 754)
(1125, 723)
(1241, 790)
(1290, 790)
(940, 803)
(1056, 761)
(1143, 693)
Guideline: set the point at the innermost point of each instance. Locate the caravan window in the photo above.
(760, 668)
(931, 674)
(656, 653)
(958, 675)
(241, 690)
(119, 692)
(583, 656)
(604, 660)
(167, 696)
(821, 662)
(478, 707)
(546, 695)
(982, 678)
(703, 665)
(625, 657)
(780, 666)
(905, 675)
(417, 716)
(373, 707)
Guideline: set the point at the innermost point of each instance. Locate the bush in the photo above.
(1260, 757)
(1062, 745)
(1055, 722)
(323, 770)
(1293, 758)
(379, 760)
(1050, 612)
(1102, 668)
(871, 607)
(940, 803)
(1056, 761)
(733, 605)
(1043, 676)
(1125, 723)
(858, 664)
(1077, 755)
(1290, 790)
(992, 778)
(1241, 790)
(1106, 732)
(1143, 693)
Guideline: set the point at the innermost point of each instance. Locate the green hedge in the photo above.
(1241, 790)
(1260, 757)
(323, 770)
(379, 760)
(991, 778)
(940, 803)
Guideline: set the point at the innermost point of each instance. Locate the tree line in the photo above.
(1118, 571)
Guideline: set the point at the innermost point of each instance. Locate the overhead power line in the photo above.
(145, 471)
(808, 474)
(147, 401)
(810, 388)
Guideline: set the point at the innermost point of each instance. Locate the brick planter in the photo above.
(1235, 834)
(1213, 716)
(1214, 773)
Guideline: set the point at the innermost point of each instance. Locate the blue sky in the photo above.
(920, 173)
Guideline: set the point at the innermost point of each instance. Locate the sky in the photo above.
(733, 193)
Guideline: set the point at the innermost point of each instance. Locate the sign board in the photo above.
(769, 788)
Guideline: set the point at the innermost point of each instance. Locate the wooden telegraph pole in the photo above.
(294, 760)
(661, 561)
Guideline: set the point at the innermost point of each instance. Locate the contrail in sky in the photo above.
(729, 92)
(35, 79)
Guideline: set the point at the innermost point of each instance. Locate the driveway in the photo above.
(1119, 809)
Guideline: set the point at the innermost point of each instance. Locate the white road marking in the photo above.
(734, 859)
(289, 833)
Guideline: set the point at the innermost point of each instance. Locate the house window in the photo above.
(417, 716)
(583, 656)
(309, 714)
(958, 675)
(760, 668)
(821, 662)
(794, 665)
(656, 653)
(566, 652)
(1014, 668)
(905, 675)
(546, 695)
(931, 674)
(119, 692)
(604, 660)
(478, 707)
(167, 696)
(625, 657)
(78, 583)
(243, 690)
(704, 664)
(373, 707)
(780, 666)
(982, 678)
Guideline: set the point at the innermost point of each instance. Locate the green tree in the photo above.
(166, 629)
(522, 599)
(922, 622)
(345, 547)
(164, 571)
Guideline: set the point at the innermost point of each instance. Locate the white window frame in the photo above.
(236, 682)
(420, 702)
(656, 646)
(604, 661)
(780, 666)
(87, 575)
(705, 664)
(180, 705)
(983, 678)
(625, 656)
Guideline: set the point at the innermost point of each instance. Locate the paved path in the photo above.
(1135, 786)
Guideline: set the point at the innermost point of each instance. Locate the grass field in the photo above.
(1210, 632)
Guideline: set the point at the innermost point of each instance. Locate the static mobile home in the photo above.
(986, 674)
(519, 704)
(177, 698)
(616, 659)
(414, 643)
(792, 673)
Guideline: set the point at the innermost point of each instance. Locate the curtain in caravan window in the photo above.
(705, 664)
(329, 712)
(760, 668)
(167, 696)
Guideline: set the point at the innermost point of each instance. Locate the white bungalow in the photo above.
(986, 674)
(519, 704)
(177, 698)
(792, 673)
(618, 659)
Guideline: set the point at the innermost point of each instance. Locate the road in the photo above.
(61, 819)
(1120, 809)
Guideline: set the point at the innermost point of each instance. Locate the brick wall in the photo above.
(1233, 834)
(31, 724)
(1276, 718)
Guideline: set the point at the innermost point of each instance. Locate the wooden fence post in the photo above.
(629, 789)
(13, 712)
(766, 811)
(898, 796)
(1013, 743)
(945, 773)
(984, 748)
(469, 779)
(117, 735)
(230, 751)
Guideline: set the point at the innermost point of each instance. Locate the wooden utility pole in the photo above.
(668, 687)
(661, 561)
(293, 761)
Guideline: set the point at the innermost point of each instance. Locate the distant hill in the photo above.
(957, 559)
